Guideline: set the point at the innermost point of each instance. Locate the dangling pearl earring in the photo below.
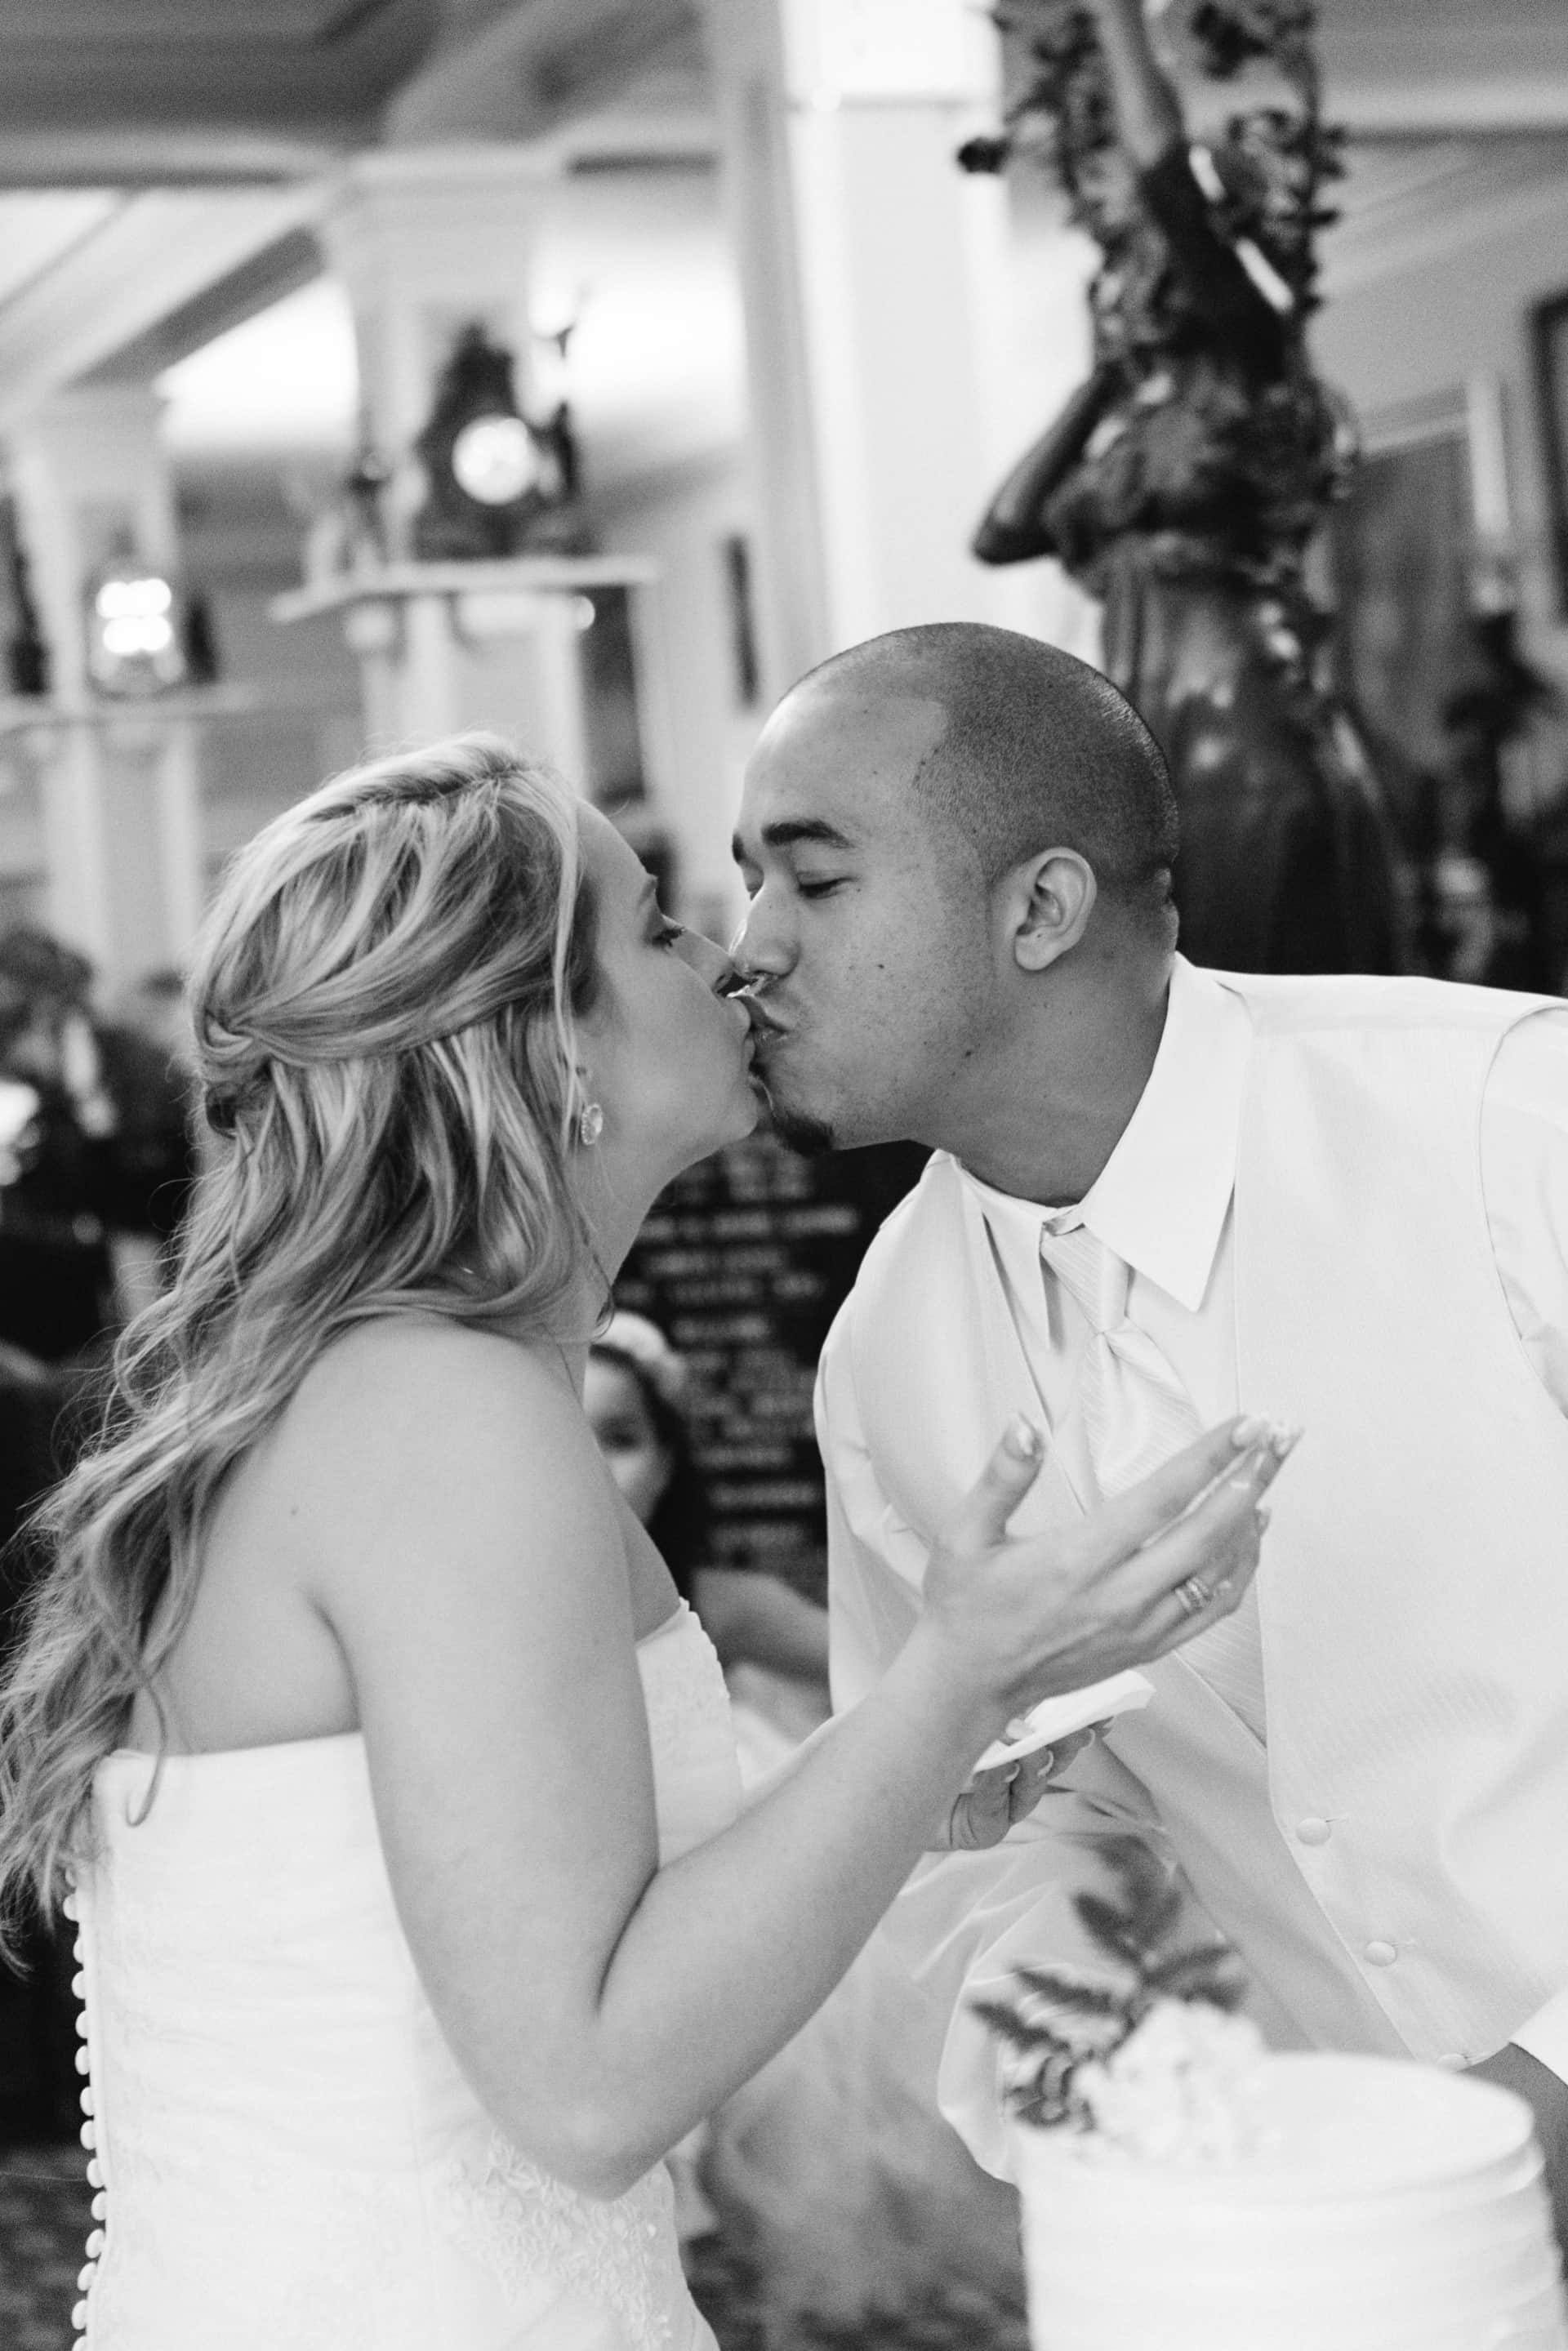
(590, 1124)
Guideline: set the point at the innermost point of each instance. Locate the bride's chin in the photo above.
(744, 1105)
(752, 1100)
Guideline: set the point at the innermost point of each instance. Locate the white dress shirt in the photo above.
(1163, 1204)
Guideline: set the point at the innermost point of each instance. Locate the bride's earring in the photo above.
(590, 1124)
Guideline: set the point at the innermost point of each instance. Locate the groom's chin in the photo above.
(811, 1137)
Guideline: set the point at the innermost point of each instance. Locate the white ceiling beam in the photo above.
(523, 73)
(1412, 107)
(1407, 237)
(154, 253)
(193, 158)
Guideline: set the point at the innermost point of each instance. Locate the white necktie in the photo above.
(1137, 1413)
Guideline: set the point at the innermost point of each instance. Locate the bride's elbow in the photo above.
(586, 2144)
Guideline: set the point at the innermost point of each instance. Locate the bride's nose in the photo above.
(713, 963)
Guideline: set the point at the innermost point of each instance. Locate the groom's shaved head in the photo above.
(1036, 750)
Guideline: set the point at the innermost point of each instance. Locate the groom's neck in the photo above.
(1042, 1120)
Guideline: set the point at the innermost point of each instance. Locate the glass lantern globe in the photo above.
(494, 459)
(133, 644)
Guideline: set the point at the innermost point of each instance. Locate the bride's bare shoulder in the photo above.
(393, 1353)
(400, 1401)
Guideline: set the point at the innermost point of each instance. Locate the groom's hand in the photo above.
(1546, 2093)
(996, 1801)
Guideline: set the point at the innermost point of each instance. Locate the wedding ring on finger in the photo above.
(1193, 1595)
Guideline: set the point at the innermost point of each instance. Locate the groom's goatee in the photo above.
(811, 1137)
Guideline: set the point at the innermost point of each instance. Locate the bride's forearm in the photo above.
(730, 1950)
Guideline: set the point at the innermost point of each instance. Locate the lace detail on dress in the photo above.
(529, 2227)
(687, 1701)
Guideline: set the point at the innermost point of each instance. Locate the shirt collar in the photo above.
(1161, 1200)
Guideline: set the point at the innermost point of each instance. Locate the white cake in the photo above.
(1371, 2205)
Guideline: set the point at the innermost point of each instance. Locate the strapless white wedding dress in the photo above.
(286, 2156)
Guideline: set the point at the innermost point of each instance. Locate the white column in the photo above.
(874, 277)
(426, 241)
(121, 804)
(78, 892)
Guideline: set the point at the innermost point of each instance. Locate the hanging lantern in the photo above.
(134, 635)
(491, 472)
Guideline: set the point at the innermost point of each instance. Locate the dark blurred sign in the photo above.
(742, 1263)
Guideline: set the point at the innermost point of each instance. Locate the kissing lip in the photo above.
(762, 1021)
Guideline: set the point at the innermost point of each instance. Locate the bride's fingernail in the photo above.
(1023, 1439)
(1248, 1431)
(1284, 1437)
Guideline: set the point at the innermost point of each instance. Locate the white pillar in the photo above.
(120, 787)
(426, 240)
(874, 278)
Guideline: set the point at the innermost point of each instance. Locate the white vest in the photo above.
(1395, 1869)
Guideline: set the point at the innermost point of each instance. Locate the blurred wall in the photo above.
(240, 539)
(1443, 305)
(685, 517)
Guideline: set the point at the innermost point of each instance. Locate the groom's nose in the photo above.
(757, 950)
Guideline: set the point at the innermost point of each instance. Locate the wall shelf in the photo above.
(518, 648)
(29, 715)
(400, 584)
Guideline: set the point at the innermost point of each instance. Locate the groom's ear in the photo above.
(1046, 903)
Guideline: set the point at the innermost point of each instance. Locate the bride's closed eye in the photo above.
(661, 931)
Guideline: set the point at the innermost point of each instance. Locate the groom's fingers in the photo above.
(996, 1800)
(983, 1815)
(1036, 1772)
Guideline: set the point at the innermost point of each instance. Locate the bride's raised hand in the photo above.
(1023, 1619)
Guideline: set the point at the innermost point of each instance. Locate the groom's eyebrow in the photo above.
(789, 832)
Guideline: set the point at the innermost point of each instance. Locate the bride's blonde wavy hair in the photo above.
(384, 998)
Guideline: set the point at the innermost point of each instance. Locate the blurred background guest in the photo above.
(57, 1272)
(94, 1172)
(146, 1053)
(57, 1309)
(771, 1639)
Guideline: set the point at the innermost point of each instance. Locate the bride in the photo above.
(358, 1726)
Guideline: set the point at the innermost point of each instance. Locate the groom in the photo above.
(1160, 1195)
